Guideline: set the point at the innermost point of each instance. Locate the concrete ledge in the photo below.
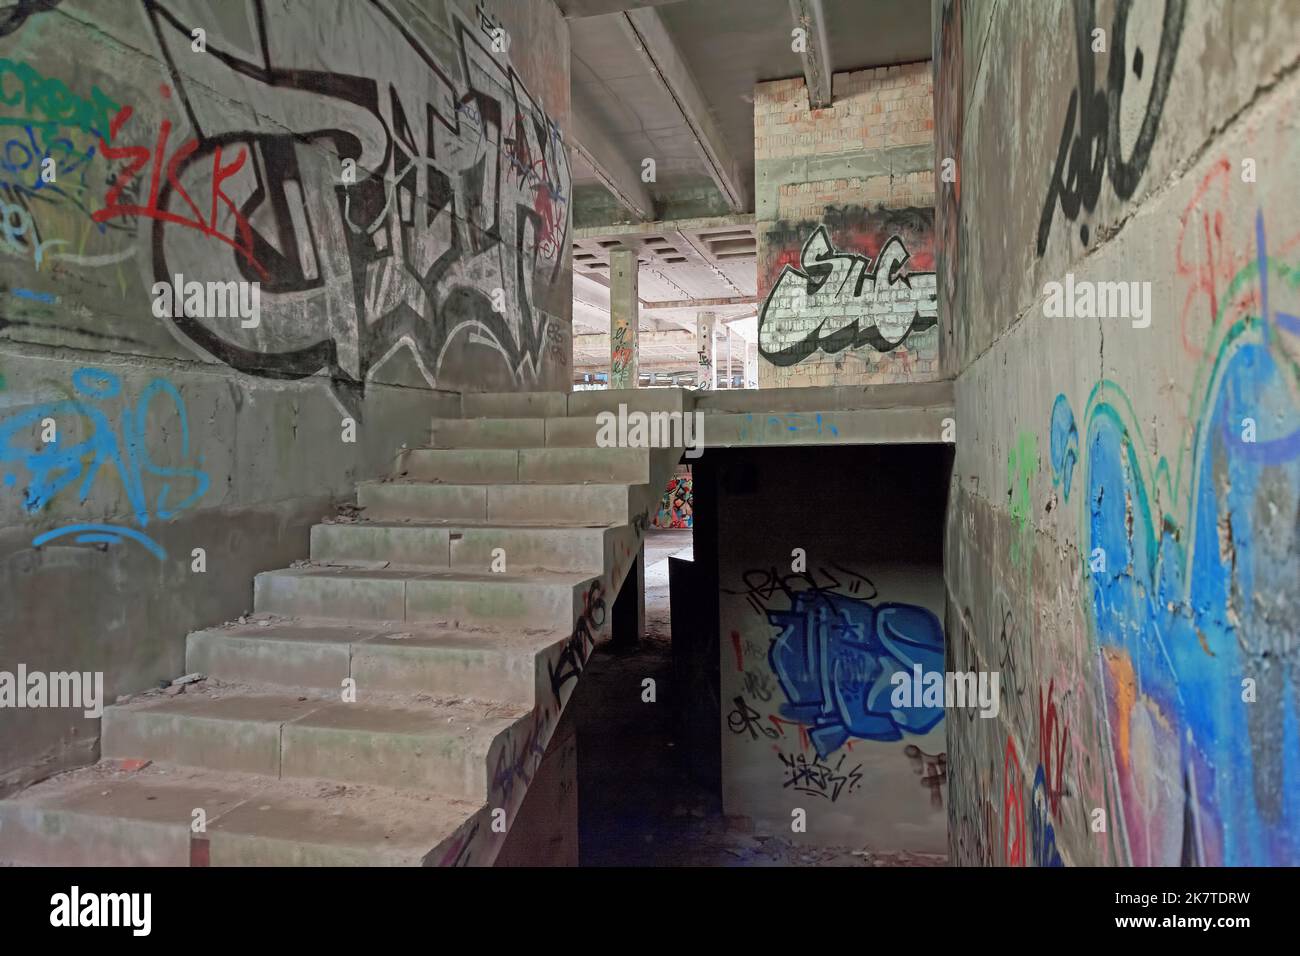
(827, 398)
(885, 426)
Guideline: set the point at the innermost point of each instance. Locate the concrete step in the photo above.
(389, 659)
(526, 465)
(502, 433)
(540, 599)
(577, 404)
(437, 746)
(591, 402)
(459, 545)
(559, 504)
(510, 433)
(99, 816)
(514, 404)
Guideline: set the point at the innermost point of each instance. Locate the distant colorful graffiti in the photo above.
(835, 656)
(1184, 565)
(677, 506)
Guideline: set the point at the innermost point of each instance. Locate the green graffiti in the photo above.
(48, 103)
(1022, 462)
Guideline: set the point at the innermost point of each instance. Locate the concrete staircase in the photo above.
(460, 672)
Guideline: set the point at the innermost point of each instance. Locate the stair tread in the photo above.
(378, 713)
(498, 484)
(398, 633)
(537, 577)
(402, 826)
(477, 524)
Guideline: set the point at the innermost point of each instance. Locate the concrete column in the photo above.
(624, 317)
(751, 364)
(730, 373)
(707, 347)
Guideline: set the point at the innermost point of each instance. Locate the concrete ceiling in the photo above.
(673, 81)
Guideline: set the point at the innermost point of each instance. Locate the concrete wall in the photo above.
(807, 647)
(845, 225)
(1121, 538)
(441, 265)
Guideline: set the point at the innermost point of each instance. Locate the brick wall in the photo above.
(835, 188)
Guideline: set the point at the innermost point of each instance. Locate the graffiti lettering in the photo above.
(834, 661)
(580, 643)
(854, 300)
(59, 463)
(817, 778)
(1085, 157)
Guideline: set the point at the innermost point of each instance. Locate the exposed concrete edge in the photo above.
(827, 398)
(663, 225)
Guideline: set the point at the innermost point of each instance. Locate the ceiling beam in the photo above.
(664, 225)
(616, 172)
(809, 17)
(651, 39)
(699, 303)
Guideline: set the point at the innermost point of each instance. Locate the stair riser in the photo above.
(554, 549)
(514, 404)
(459, 465)
(487, 603)
(471, 549)
(388, 667)
(424, 501)
(439, 764)
(554, 504)
(489, 433)
(578, 465)
(238, 746)
(354, 599)
(35, 836)
(416, 545)
(443, 763)
(290, 663)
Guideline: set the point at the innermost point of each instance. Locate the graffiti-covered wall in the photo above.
(822, 601)
(247, 250)
(1119, 256)
(845, 219)
(677, 507)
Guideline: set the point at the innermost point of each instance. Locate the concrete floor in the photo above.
(636, 805)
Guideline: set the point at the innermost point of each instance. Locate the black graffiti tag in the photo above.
(1085, 157)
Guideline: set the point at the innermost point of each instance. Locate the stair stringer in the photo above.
(517, 752)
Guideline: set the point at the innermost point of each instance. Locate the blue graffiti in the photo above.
(59, 463)
(1065, 445)
(1197, 558)
(1042, 835)
(835, 656)
(791, 422)
(34, 296)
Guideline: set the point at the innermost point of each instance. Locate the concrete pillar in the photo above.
(624, 317)
(707, 346)
(751, 365)
(730, 373)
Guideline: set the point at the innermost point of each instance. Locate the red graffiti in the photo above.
(740, 655)
(1013, 809)
(140, 158)
(1053, 737)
